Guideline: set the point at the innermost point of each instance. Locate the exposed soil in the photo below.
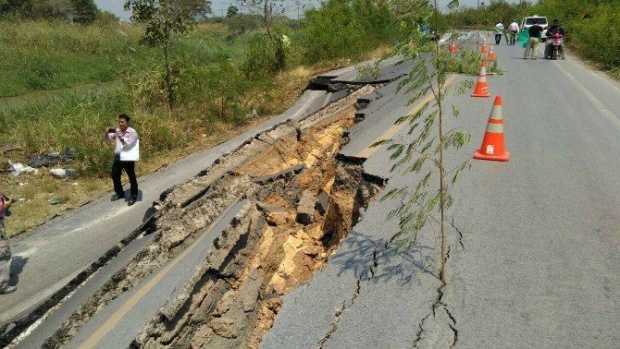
(301, 203)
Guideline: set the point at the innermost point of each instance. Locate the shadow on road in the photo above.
(377, 261)
(17, 266)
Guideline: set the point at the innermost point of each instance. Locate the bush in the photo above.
(592, 28)
(345, 29)
(598, 38)
(265, 56)
(225, 86)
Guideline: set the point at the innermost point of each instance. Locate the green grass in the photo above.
(68, 82)
(62, 84)
(52, 55)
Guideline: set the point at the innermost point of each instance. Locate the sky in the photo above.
(290, 6)
(115, 7)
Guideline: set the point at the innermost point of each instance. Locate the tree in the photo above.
(81, 11)
(240, 23)
(232, 11)
(265, 8)
(54, 9)
(275, 48)
(86, 11)
(427, 142)
(164, 19)
(196, 8)
(21, 7)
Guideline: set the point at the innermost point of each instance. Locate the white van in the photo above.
(542, 21)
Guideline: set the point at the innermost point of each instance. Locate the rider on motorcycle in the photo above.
(554, 29)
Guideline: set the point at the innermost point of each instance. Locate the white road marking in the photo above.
(101, 219)
(394, 129)
(613, 118)
(27, 253)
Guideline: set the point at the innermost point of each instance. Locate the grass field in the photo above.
(63, 84)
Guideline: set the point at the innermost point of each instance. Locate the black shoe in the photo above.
(131, 201)
(117, 197)
(8, 289)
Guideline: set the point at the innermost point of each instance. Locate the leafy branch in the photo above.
(426, 141)
(164, 19)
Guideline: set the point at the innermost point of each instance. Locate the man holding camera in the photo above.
(126, 153)
(5, 250)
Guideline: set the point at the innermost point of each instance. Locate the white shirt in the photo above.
(499, 28)
(130, 136)
(513, 27)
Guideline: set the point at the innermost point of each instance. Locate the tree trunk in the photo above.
(168, 78)
(267, 12)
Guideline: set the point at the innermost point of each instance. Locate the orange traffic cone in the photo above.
(492, 147)
(453, 46)
(491, 55)
(483, 48)
(481, 89)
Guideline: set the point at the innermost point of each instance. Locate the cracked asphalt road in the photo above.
(533, 242)
(533, 247)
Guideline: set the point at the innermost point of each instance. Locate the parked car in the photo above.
(542, 21)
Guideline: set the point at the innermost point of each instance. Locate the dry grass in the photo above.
(34, 194)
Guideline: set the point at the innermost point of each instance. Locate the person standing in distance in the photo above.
(126, 153)
(513, 30)
(499, 30)
(531, 49)
(5, 250)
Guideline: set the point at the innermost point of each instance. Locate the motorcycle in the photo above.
(555, 47)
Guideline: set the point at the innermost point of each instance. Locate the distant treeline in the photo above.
(80, 11)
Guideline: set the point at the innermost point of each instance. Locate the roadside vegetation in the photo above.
(592, 27)
(66, 82)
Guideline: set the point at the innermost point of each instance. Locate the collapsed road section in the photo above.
(289, 202)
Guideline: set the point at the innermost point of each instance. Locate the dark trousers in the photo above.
(513, 38)
(5, 258)
(129, 166)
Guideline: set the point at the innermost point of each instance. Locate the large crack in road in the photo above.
(300, 202)
(278, 206)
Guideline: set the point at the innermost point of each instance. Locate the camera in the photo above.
(111, 130)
